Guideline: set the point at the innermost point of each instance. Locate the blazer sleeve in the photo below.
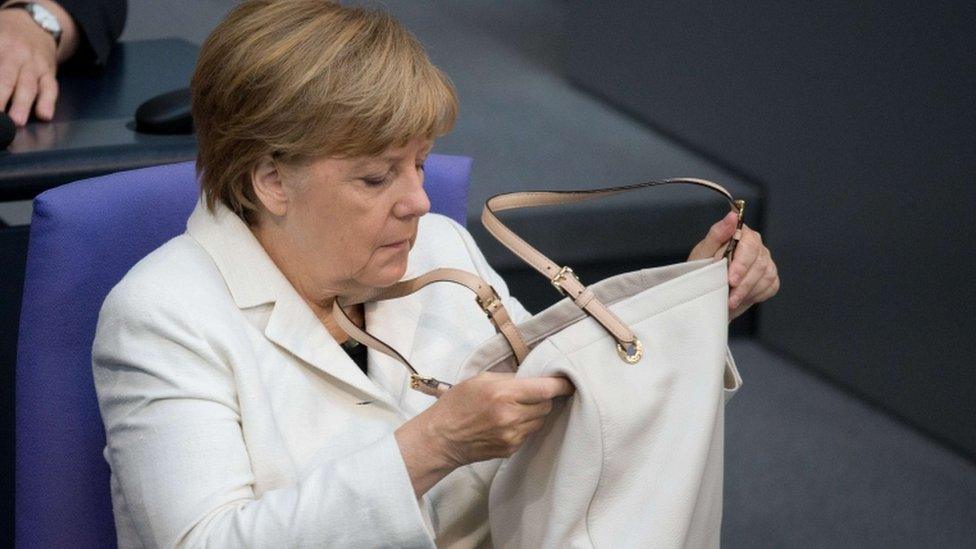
(100, 22)
(178, 456)
(516, 311)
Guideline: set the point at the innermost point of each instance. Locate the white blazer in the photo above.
(233, 419)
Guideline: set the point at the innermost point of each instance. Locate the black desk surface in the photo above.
(93, 128)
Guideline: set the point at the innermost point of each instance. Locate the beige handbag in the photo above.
(635, 457)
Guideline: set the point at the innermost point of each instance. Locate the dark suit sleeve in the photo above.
(100, 22)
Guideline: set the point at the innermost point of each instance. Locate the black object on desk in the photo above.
(7, 130)
(93, 131)
(166, 114)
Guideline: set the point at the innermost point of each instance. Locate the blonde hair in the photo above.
(300, 79)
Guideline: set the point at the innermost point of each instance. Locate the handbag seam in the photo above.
(505, 460)
(581, 371)
(603, 445)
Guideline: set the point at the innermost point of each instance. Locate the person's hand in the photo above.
(484, 417)
(29, 62)
(753, 275)
(490, 415)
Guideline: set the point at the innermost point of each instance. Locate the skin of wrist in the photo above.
(430, 444)
(438, 444)
(69, 30)
(425, 461)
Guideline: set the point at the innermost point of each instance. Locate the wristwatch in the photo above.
(42, 16)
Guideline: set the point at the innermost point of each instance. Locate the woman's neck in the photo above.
(321, 305)
(323, 310)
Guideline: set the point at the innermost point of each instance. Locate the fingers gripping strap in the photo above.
(730, 249)
(570, 284)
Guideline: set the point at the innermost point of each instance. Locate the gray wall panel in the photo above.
(859, 120)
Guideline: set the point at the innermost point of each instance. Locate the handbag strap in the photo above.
(566, 282)
(486, 297)
(629, 347)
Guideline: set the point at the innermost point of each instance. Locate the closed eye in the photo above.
(375, 180)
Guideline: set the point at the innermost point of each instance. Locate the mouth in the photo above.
(398, 245)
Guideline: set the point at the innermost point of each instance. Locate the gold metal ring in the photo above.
(631, 358)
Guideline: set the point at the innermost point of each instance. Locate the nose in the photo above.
(414, 202)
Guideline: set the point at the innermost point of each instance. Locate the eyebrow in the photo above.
(390, 157)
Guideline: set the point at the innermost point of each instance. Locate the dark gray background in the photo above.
(859, 118)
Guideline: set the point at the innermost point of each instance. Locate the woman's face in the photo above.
(349, 224)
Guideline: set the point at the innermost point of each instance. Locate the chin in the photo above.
(389, 276)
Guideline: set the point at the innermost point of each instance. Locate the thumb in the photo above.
(718, 235)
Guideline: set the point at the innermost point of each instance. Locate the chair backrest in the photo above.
(84, 237)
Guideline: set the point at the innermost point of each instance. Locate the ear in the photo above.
(269, 186)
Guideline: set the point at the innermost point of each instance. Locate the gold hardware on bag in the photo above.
(490, 305)
(629, 358)
(427, 385)
(740, 205)
(557, 280)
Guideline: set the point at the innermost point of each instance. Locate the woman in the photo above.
(234, 415)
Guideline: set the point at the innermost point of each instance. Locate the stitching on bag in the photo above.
(589, 505)
(506, 460)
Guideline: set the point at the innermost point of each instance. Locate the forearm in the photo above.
(425, 464)
(355, 501)
(358, 500)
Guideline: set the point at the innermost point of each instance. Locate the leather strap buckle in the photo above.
(427, 385)
(740, 206)
(490, 305)
(557, 280)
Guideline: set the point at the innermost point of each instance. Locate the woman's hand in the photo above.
(29, 61)
(484, 417)
(753, 275)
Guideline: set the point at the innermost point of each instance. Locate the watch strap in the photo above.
(27, 6)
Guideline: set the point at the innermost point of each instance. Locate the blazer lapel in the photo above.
(295, 327)
(253, 279)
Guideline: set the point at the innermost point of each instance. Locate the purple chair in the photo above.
(84, 237)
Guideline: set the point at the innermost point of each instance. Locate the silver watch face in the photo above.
(44, 18)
